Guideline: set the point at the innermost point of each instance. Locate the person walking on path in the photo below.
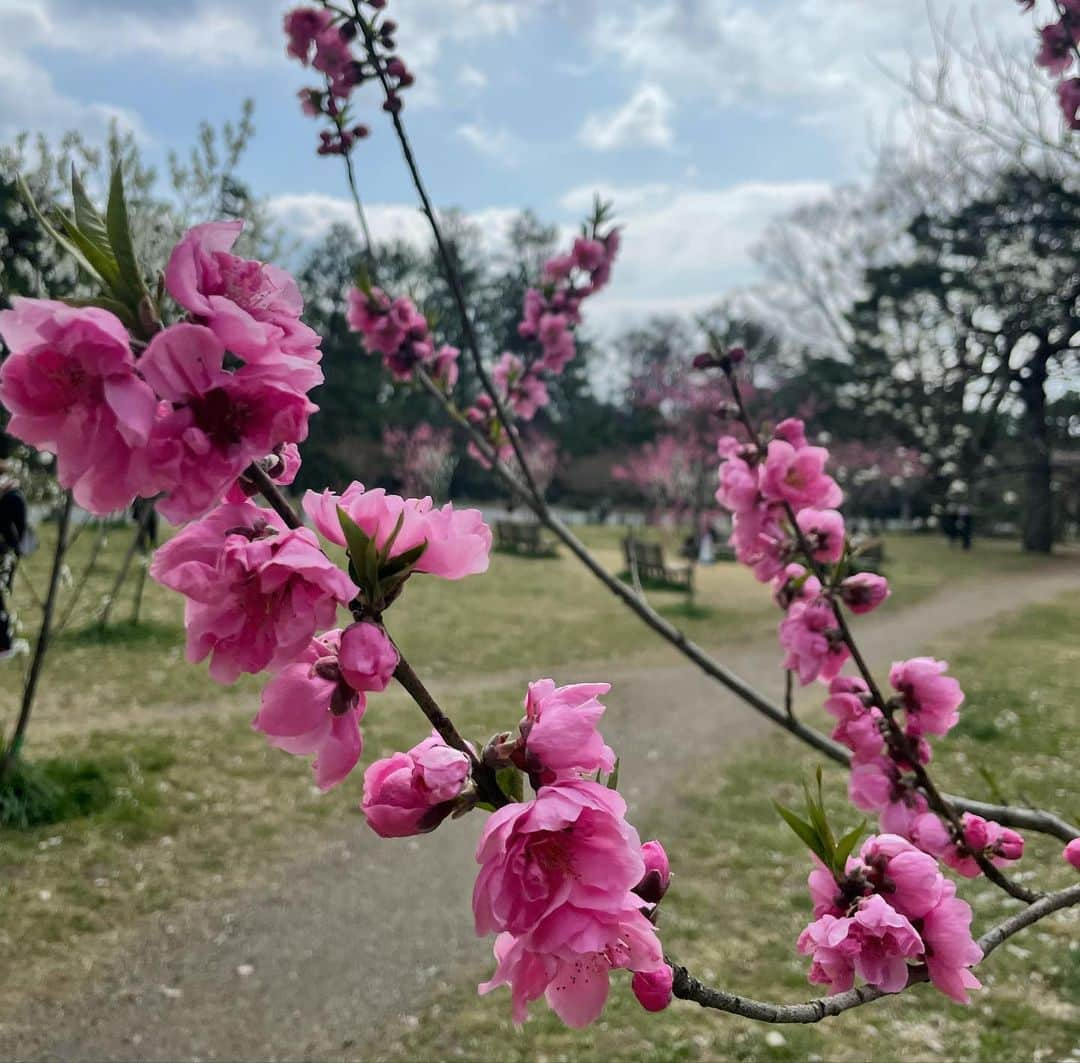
(13, 538)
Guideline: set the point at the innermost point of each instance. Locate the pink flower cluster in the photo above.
(207, 397)
(550, 314)
(399, 332)
(891, 908)
(556, 883)
(780, 501)
(1059, 43)
(318, 38)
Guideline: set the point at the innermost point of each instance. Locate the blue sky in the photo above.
(702, 118)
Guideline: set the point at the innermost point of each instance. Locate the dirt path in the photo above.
(309, 960)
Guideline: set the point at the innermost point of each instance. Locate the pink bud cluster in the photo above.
(1058, 52)
(891, 908)
(780, 500)
(322, 39)
(550, 314)
(395, 329)
(207, 397)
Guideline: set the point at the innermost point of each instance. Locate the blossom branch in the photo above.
(896, 736)
(687, 987)
(450, 271)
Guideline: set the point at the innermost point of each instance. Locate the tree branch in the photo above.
(687, 987)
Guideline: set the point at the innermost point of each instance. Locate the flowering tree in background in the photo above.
(674, 476)
(201, 403)
(422, 459)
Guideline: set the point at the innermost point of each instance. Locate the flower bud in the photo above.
(657, 873)
(1010, 846)
(864, 591)
(736, 355)
(705, 360)
(653, 988)
(1072, 853)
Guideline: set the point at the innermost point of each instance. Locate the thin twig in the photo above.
(687, 987)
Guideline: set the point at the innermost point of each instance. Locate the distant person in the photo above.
(706, 554)
(15, 540)
(965, 526)
(950, 525)
(144, 513)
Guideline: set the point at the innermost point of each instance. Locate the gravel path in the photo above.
(310, 959)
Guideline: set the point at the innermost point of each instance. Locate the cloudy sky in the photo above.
(702, 118)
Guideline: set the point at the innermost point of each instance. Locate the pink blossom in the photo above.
(412, 793)
(798, 477)
(738, 490)
(657, 878)
(71, 386)
(1056, 53)
(982, 837)
(444, 367)
(334, 59)
(874, 942)
(306, 709)
(282, 470)
(588, 254)
(524, 391)
(252, 307)
(569, 846)
(559, 267)
(950, 949)
(395, 329)
(214, 423)
(302, 26)
(1071, 853)
(458, 541)
(858, 724)
(931, 699)
(823, 530)
(906, 877)
(825, 891)
(880, 786)
(864, 592)
(367, 657)
(559, 730)
(1068, 93)
(793, 431)
(812, 640)
(257, 591)
(568, 958)
(795, 584)
(653, 988)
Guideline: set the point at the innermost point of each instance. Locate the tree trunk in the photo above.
(1038, 492)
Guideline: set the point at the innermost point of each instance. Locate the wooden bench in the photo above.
(523, 539)
(868, 555)
(648, 559)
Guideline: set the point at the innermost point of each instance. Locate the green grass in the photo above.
(739, 898)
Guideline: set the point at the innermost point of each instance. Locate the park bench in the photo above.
(869, 555)
(524, 539)
(648, 560)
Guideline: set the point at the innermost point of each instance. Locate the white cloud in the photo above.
(308, 217)
(31, 102)
(684, 247)
(498, 144)
(471, 77)
(640, 122)
(819, 59)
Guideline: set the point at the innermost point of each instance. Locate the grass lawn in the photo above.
(201, 803)
(739, 899)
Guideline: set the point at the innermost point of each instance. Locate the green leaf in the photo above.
(816, 810)
(845, 846)
(105, 303)
(71, 248)
(103, 263)
(363, 555)
(511, 784)
(131, 280)
(91, 224)
(804, 831)
(613, 778)
(384, 553)
(404, 562)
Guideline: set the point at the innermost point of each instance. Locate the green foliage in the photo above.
(35, 794)
(816, 833)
